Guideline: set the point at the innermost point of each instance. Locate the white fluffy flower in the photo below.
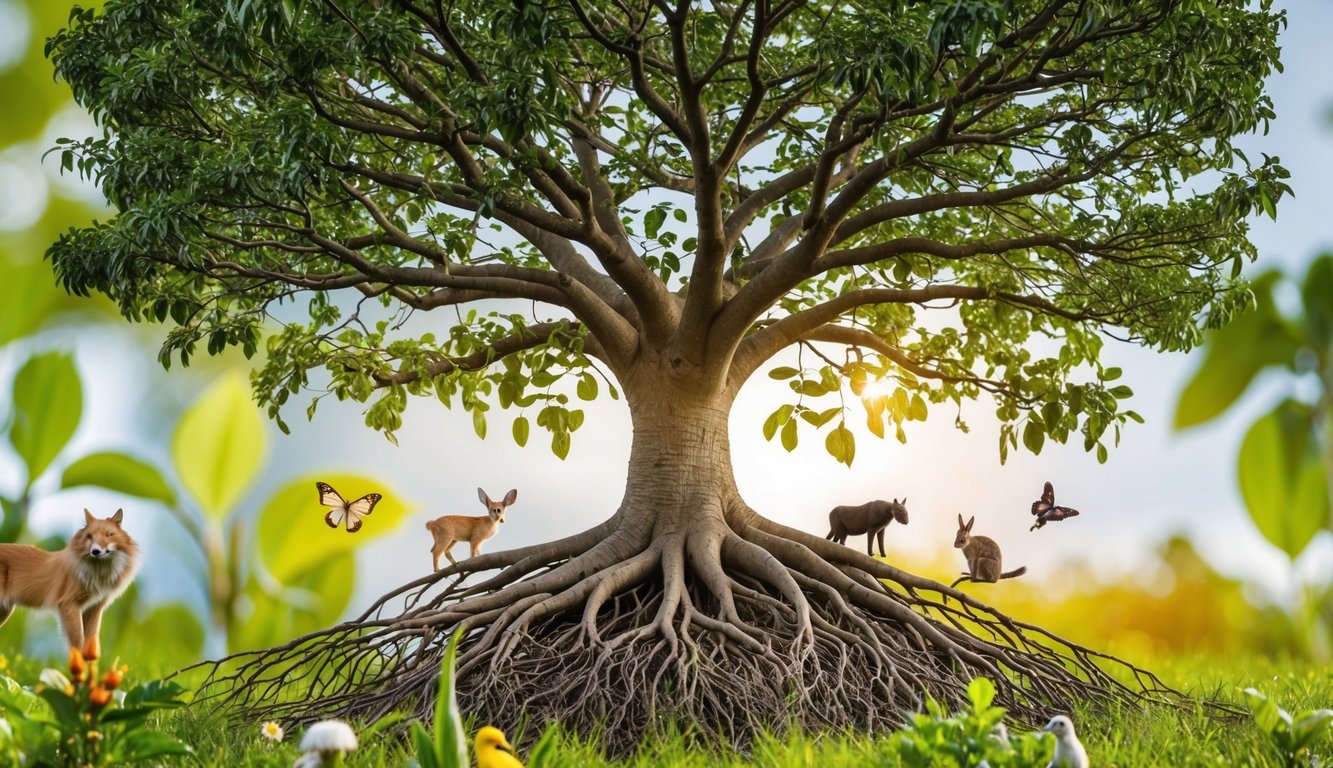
(327, 739)
(271, 731)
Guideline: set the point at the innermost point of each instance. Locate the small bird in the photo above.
(1046, 511)
(1069, 753)
(493, 750)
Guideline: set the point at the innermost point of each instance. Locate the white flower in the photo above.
(54, 679)
(271, 731)
(329, 736)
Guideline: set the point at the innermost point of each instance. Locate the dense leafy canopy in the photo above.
(703, 183)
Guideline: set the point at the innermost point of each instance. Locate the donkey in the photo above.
(870, 518)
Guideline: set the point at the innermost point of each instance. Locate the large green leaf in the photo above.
(449, 735)
(1317, 293)
(292, 533)
(48, 404)
(1234, 355)
(121, 473)
(312, 599)
(1282, 478)
(219, 446)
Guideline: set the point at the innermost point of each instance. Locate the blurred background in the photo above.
(1206, 531)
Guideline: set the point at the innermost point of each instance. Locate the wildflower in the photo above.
(99, 697)
(271, 731)
(55, 679)
(114, 676)
(78, 668)
(325, 742)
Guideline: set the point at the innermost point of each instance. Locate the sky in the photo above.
(1156, 483)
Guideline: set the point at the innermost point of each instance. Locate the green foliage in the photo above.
(445, 744)
(936, 739)
(1293, 736)
(83, 720)
(48, 405)
(218, 446)
(1058, 199)
(1285, 464)
(1283, 478)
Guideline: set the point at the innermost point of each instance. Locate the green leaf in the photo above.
(143, 744)
(449, 733)
(980, 692)
(560, 444)
(1282, 478)
(1317, 295)
(312, 599)
(587, 387)
(776, 419)
(1234, 354)
(1033, 436)
(479, 423)
(293, 536)
(219, 446)
(48, 404)
(841, 444)
(120, 473)
(521, 430)
(782, 372)
(789, 435)
(428, 755)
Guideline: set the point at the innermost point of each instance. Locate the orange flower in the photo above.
(77, 667)
(99, 697)
(113, 677)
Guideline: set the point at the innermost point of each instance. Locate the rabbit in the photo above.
(983, 556)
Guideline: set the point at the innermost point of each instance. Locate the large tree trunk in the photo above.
(685, 605)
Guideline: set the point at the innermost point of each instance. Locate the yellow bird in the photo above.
(493, 750)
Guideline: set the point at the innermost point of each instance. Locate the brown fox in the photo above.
(451, 529)
(77, 582)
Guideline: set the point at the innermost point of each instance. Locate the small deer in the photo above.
(451, 529)
(870, 518)
(983, 556)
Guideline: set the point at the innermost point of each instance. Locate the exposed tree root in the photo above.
(733, 623)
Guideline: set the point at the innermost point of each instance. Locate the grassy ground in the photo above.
(1130, 738)
(1126, 739)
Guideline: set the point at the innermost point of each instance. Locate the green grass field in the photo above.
(1142, 738)
(1181, 737)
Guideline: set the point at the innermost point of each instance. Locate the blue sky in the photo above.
(1155, 484)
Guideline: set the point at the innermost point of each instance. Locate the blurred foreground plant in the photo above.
(936, 739)
(1294, 736)
(83, 719)
(1285, 463)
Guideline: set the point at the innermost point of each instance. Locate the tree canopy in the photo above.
(717, 181)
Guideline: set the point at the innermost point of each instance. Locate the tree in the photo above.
(667, 196)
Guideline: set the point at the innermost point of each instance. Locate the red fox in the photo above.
(77, 582)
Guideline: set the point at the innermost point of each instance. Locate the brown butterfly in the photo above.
(349, 512)
(1046, 510)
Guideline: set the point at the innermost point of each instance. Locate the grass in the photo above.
(1124, 738)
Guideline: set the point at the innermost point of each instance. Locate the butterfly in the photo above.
(351, 512)
(1046, 510)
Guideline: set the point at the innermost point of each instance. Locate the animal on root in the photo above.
(493, 749)
(78, 582)
(983, 556)
(1046, 510)
(474, 529)
(1069, 751)
(870, 518)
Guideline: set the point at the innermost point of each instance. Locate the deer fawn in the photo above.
(451, 529)
(983, 556)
